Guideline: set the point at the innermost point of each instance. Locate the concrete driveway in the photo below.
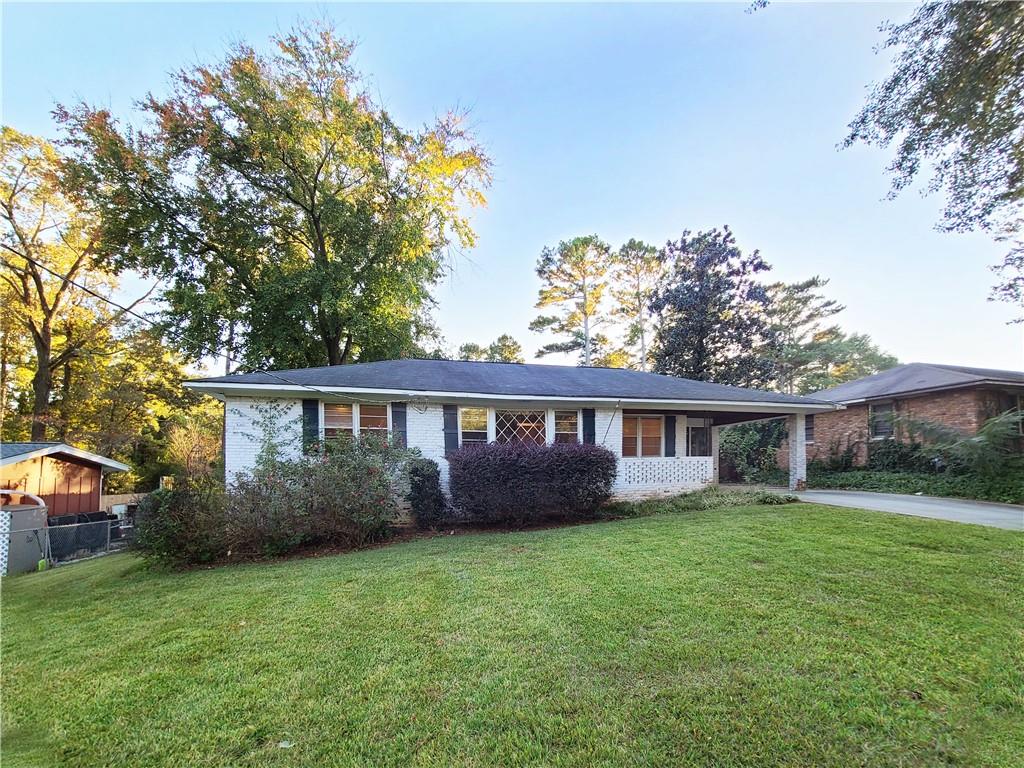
(1008, 516)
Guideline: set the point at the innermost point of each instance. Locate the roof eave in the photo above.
(932, 390)
(106, 465)
(220, 390)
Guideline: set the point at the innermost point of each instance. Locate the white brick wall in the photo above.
(797, 451)
(608, 432)
(242, 432)
(425, 430)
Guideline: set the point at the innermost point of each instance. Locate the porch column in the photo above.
(714, 454)
(797, 452)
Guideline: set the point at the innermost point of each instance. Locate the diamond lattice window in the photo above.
(520, 427)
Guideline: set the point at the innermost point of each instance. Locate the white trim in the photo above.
(260, 390)
(95, 458)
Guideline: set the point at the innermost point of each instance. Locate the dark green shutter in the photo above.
(589, 428)
(310, 423)
(398, 424)
(451, 428)
(670, 434)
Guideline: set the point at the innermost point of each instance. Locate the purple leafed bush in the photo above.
(519, 483)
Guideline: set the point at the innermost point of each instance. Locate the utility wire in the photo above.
(166, 332)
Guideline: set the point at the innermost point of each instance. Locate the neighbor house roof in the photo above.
(438, 378)
(914, 378)
(12, 453)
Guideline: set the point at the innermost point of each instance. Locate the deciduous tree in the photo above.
(504, 349)
(297, 222)
(954, 102)
(50, 246)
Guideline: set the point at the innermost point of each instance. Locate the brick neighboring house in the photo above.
(954, 395)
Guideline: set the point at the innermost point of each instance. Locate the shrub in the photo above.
(895, 455)
(1007, 488)
(183, 524)
(712, 497)
(425, 496)
(514, 482)
(747, 450)
(341, 496)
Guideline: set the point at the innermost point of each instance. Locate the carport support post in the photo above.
(715, 477)
(797, 452)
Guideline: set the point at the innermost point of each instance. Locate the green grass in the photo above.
(753, 636)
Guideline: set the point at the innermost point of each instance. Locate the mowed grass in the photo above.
(752, 636)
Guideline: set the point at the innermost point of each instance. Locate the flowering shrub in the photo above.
(514, 482)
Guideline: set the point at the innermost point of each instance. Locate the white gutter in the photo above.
(221, 389)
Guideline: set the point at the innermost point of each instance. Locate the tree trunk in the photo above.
(4, 340)
(42, 386)
(643, 346)
(65, 403)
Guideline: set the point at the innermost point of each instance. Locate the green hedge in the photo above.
(1006, 488)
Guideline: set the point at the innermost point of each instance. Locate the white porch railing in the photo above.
(656, 476)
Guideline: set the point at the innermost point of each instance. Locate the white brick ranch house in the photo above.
(664, 430)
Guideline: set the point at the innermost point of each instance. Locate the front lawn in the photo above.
(752, 636)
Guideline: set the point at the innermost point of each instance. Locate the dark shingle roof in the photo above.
(918, 377)
(17, 449)
(528, 380)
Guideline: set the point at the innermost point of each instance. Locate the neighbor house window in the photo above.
(880, 420)
(809, 428)
(567, 426)
(698, 437)
(641, 436)
(337, 420)
(520, 427)
(473, 426)
(373, 419)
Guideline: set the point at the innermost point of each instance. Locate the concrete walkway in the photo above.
(1009, 516)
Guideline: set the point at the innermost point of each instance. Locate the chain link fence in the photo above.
(58, 544)
(78, 541)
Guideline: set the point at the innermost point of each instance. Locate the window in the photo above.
(337, 420)
(473, 426)
(641, 436)
(809, 428)
(880, 421)
(520, 427)
(567, 425)
(373, 419)
(698, 437)
(344, 418)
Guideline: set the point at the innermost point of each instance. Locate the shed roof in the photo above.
(12, 453)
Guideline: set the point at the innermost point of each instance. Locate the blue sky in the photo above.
(628, 121)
